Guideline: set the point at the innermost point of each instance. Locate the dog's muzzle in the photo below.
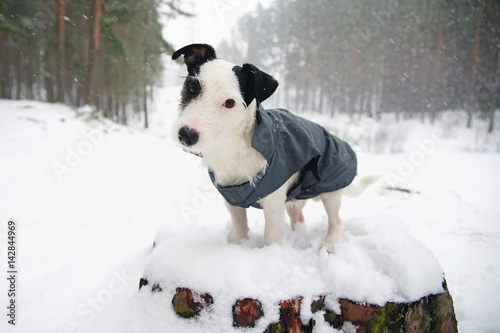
(188, 137)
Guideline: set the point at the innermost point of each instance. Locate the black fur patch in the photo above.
(246, 84)
(192, 89)
(254, 83)
(195, 55)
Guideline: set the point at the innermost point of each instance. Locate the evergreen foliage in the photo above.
(104, 53)
(412, 57)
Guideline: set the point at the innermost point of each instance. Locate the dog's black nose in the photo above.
(188, 137)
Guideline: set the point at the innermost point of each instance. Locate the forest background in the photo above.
(411, 58)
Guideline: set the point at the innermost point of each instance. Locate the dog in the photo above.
(257, 157)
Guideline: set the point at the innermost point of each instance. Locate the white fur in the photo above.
(225, 134)
(225, 145)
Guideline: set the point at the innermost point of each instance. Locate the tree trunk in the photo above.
(322, 90)
(4, 68)
(331, 79)
(333, 100)
(495, 81)
(95, 51)
(475, 66)
(399, 77)
(19, 74)
(413, 105)
(362, 92)
(425, 79)
(305, 85)
(123, 113)
(297, 99)
(437, 63)
(29, 77)
(60, 70)
(145, 106)
(493, 106)
(370, 83)
(312, 86)
(49, 78)
(352, 80)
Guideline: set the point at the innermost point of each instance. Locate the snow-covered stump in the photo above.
(380, 279)
(433, 313)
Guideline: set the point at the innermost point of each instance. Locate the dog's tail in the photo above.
(357, 188)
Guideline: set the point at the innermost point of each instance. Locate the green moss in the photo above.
(441, 311)
(273, 328)
(395, 316)
(434, 314)
(377, 324)
(182, 309)
(143, 282)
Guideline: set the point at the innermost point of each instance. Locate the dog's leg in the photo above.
(274, 213)
(240, 222)
(294, 210)
(331, 201)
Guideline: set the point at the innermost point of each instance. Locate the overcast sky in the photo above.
(213, 22)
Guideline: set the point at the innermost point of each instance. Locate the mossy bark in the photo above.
(433, 313)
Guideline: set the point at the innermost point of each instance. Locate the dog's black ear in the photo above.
(254, 83)
(195, 55)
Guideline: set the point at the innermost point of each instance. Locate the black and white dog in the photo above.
(257, 157)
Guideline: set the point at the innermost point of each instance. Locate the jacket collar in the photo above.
(263, 139)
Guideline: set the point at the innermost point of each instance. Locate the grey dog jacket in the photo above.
(290, 144)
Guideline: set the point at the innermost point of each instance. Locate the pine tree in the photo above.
(104, 53)
(406, 56)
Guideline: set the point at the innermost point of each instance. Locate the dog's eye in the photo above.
(194, 88)
(230, 103)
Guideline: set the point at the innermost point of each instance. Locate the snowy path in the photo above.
(89, 199)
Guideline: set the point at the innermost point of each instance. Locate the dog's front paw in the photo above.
(328, 247)
(242, 240)
(234, 238)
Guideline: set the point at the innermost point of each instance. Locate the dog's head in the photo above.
(217, 98)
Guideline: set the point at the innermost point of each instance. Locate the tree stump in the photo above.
(434, 313)
(380, 279)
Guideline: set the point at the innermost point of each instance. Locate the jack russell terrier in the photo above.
(260, 157)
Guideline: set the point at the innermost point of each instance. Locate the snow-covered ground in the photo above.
(88, 200)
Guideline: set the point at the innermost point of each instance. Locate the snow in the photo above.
(215, 21)
(378, 253)
(89, 197)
